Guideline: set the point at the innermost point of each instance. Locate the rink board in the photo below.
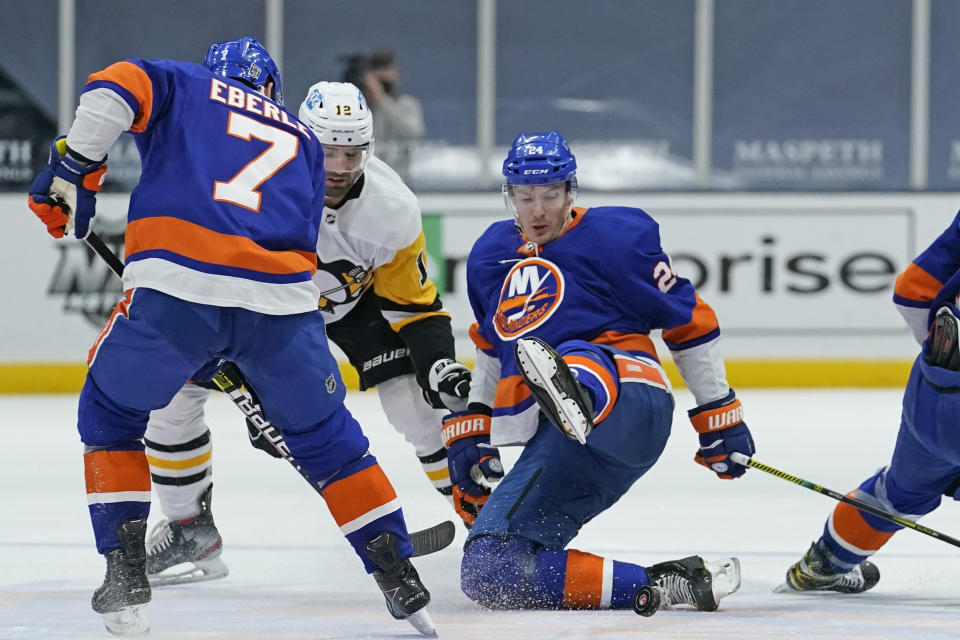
(801, 283)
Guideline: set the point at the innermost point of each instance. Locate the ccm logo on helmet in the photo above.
(535, 172)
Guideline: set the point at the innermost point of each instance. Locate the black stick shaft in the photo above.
(96, 243)
(859, 504)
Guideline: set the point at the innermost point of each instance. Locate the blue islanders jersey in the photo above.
(229, 204)
(930, 280)
(605, 279)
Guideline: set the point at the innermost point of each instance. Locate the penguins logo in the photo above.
(531, 293)
(340, 282)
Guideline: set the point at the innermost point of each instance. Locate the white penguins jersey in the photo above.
(375, 240)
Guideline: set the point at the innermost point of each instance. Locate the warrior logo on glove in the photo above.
(722, 432)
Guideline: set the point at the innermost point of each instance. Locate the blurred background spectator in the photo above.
(397, 117)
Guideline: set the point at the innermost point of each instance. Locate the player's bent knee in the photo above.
(495, 571)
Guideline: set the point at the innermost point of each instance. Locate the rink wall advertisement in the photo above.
(801, 283)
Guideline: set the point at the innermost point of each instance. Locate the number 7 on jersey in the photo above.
(241, 189)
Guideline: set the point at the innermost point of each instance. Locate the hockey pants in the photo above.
(515, 555)
(147, 351)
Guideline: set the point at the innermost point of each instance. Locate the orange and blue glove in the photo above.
(472, 461)
(722, 431)
(64, 193)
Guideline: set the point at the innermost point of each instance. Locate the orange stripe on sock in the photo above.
(605, 377)
(199, 243)
(355, 495)
(583, 584)
(137, 82)
(853, 529)
(111, 471)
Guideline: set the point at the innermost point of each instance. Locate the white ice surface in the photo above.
(293, 576)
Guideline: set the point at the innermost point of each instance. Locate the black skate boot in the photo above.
(125, 592)
(555, 389)
(188, 550)
(693, 581)
(809, 574)
(406, 596)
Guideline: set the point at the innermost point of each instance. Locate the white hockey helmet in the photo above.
(339, 114)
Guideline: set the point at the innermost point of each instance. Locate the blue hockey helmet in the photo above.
(539, 158)
(245, 60)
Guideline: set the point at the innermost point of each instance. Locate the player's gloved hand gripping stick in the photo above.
(230, 381)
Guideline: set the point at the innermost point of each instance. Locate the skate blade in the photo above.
(783, 587)
(726, 576)
(190, 572)
(129, 621)
(540, 368)
(422, 622)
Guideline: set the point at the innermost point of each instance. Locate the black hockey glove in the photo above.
(449, 385)
(942, 348)
(259, 441)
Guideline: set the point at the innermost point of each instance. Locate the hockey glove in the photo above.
(449, 385)
(722, 431)
(258, 438)
(64, 193)
(942, 345)
(471, 460)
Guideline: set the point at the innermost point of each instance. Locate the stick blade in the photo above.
(433, 539)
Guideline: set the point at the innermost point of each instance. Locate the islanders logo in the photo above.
(531, 293)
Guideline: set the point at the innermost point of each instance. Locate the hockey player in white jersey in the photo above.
(380, 308)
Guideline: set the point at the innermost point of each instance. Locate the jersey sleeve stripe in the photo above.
(132, 84)
(702, 324)
(180, 237)
(915, 286)
(482, 343)
(511, 392)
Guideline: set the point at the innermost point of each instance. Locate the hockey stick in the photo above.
(230, 381)
(739, 458)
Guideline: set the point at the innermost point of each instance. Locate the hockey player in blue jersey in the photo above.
(564, 300)
(925, 465)
(220, 249)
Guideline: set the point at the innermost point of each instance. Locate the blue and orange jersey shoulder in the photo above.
(232, 184)
(606, 279)
(921, 282)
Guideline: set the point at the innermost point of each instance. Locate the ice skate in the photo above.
(694, 581)
(406, 596)
(554, 388)
(809, 574)
(122, 598)
(188, 550)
